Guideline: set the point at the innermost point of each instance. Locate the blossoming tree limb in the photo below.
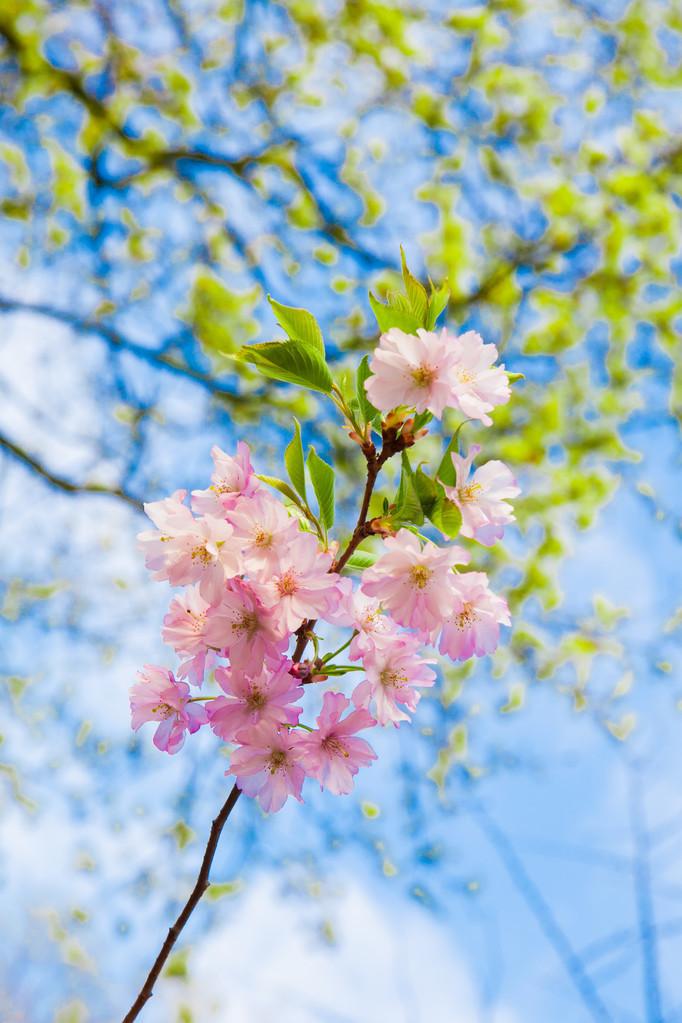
(264, 579)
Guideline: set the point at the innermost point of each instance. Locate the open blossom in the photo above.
(477, 385)
(302, 587)
(371, 624)
(184, 628)
(158, 696)
(414, 370)
(241, 626)
(268, 696)
(414, 581)
(264, 529)
(482, 499)
(232, 479)
(332, 753)
(394, 672)
(267, 765)
(186, 549)
(473, 624)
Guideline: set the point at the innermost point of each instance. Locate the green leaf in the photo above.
(421, 419)
(408, 506)
(427, 491)
(446, 516)
(367, 409)
(283, 488)
(294, 362)
(360, 560)
(222, 888)
(299, 324)
(446, 470)
(513, 377)
(388, 316)
(438, 299)
(322, 478)
(415, 291)
(294, 460)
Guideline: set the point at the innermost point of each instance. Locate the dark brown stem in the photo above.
(200, 887)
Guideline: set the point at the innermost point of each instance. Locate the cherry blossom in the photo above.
(267, 765)
(482, 499)
(184, 628)
(413, 370)
(232, 479)
(332, 753)
(413, 581)
(394, 672)
(264, 530)
(473, 623)
(158, 696)
(303, 586)
(477, 385)
(265, 696)
(186, 550)
(243, 627)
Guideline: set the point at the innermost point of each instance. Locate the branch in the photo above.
(200, 886)
(63, 484)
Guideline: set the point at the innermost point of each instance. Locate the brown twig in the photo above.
(202, 883)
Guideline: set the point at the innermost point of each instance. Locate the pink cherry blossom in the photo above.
(302, 587)
(242, 626)
(267, 765)
(370, 622)
(416, 371)
(264, 529)
(158, 696)
(394, 671)
(184, 628)
(413, 581)
(482, 499)
(187, 550)
(232, 479)
(477, 385)
(266, 696)
(473, 623)
(332, 753)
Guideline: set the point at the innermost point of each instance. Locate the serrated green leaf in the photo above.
(427, 491)
(388, 316)
(360, 560)
(438, 299)
(294, 362)
(407, 504)
(299, 324)
(282, 486)
(415, 291)
(366, 408)
(322, 479)
(446, 516)
(294, 460)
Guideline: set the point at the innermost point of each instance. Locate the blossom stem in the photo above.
(200, 886)
(345, 646)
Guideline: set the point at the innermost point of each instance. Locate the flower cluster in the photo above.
(260, 579)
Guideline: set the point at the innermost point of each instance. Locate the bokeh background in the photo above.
(516, 855)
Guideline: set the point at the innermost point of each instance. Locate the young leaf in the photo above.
(415, 291)
(438, 299)
(446, 516)
(299, 324)
(295, 362)
(322, 478)
(360, 560)
(514, 377)
(294, 460)
(283, 488)
(408, 506)
(366, 408)
(421, 419)
(427, 491)
(388, 316)
(446, 470)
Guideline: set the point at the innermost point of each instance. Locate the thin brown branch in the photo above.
(200, 886)
(68, 486)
